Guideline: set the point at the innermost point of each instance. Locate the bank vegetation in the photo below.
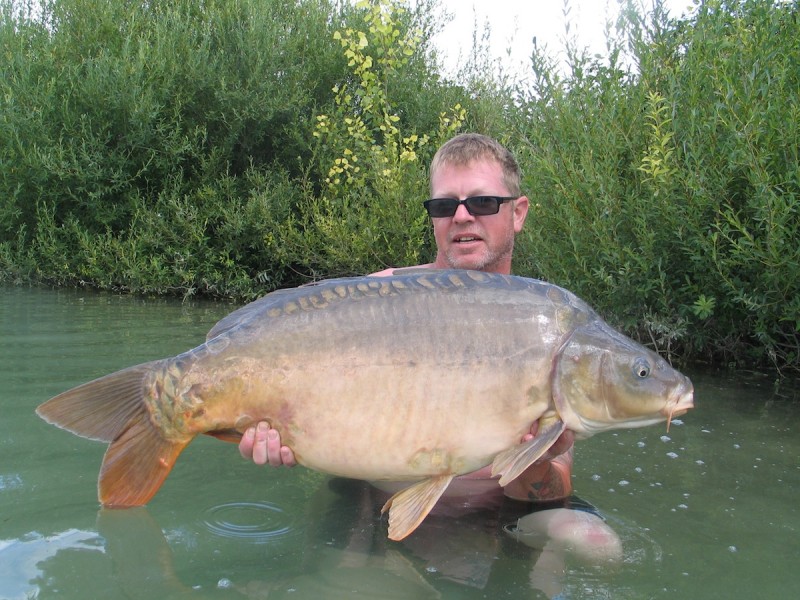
(231, 147)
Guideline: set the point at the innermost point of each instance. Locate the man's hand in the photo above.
(550, 477)
(563, 444)
(262, 445)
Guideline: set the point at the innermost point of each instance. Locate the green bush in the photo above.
(232, 147)
(126, 116)
(668, 196)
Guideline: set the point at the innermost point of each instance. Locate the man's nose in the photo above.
(462, 214)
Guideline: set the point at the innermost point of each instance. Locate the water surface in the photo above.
(706, 510)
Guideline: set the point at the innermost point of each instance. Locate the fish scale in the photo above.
(418, 377)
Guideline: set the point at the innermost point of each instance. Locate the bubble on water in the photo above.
(596, 477)
(672, 455)
(699, 462)
(623, 482)
(736, 446)
(677, 422)
(638, 469)
(224, 583)
(683, 506)
(641, 444)
(666, 438)
(732, 549)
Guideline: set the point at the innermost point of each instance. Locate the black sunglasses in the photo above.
(476, 205)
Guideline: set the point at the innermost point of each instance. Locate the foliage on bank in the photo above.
(230, 148)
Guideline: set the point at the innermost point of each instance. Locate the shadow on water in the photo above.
(705, 510)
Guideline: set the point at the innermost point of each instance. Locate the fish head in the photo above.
(604, 380)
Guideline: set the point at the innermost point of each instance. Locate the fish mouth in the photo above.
(682, 404)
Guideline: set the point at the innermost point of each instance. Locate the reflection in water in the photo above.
(348, 555)
(130, 557)
(255, 522)
(23, 561)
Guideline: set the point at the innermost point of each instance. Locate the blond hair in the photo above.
(468, 147)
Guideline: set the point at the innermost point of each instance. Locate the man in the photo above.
(477, 208)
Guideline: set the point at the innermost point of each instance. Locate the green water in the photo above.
(706, 510)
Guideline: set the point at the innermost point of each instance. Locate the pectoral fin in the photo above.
(510, 463)
(410, 506)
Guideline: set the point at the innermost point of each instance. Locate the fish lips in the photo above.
(683, 404)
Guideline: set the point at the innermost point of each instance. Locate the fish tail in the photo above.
(112, 409)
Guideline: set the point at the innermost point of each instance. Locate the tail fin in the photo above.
(112, 409)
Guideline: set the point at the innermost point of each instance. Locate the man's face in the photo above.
(465, 241)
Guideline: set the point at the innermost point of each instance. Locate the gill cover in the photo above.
(604, 380)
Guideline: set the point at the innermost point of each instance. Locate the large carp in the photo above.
(421, 376)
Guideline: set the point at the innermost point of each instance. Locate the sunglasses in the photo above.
(477, 206)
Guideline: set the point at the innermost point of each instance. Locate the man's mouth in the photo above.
(464, 239)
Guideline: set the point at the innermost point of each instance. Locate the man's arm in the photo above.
(549, 478)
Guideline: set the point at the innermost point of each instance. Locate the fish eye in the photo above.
(641, 368)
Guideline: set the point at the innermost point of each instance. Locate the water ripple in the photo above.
(256, 522)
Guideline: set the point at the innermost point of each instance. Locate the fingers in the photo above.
(260, 444)
(287, 456)
(273, 447)
(246, 443)
(532, 434)
(562, 445)
(263, 446)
